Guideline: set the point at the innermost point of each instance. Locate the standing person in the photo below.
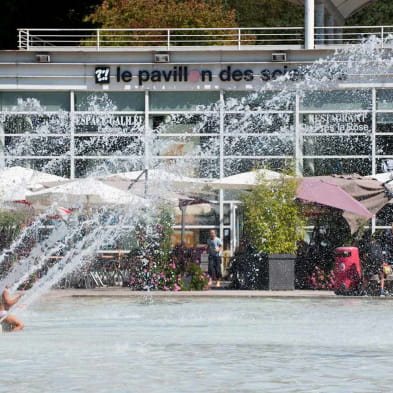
(5, 304)
(387, 243)
(214, 246)
(372, 264)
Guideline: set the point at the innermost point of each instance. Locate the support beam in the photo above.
(330, 31)
(332, 10)
(309, 7)
(320, 22)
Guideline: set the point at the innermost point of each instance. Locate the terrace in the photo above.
(225, 39)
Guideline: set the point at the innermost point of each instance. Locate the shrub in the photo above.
(272, 217)
(321, 279)
(195, 278)
(175, 274)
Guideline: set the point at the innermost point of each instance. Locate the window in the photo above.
(234, 166)
(39, 124)
(183, 101)
(337, 145)
(186, 145)
(20, 101)
(259, 100)
(185, 124)
(259, 146)
(261, 123)
(336, 100)
(329, 166)
(110, 102)
(104, 166)
(385, 99)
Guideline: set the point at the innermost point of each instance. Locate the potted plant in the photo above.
(273, 224)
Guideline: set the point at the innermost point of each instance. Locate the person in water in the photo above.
(5, 304)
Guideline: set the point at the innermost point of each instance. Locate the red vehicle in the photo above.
(347, 270)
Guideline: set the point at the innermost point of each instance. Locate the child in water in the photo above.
(5, 304)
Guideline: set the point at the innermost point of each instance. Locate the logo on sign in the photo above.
(102, 74)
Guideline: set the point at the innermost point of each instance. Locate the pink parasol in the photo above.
(330, 194)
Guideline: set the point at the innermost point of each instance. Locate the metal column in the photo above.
(373, 145)
(298, 138)
(309, 7)
(221, 192)
(72, 135)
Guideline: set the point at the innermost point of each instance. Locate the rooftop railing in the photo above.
(178, 39)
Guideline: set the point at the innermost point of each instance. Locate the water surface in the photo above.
(200, 345)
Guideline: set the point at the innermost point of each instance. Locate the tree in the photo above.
(267, 13)
(272, 218)
(376, 13)
(162, 14)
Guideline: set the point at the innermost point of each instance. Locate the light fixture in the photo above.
(161, 58)
(279, 56)
(42, 58)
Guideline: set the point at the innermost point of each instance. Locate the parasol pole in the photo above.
(183, 223)
(146, 179)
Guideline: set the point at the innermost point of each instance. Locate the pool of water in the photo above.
(146, 345)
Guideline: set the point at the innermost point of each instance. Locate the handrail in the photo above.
(178, 38)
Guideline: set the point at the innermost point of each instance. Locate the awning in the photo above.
(369, 192)
(329, 193)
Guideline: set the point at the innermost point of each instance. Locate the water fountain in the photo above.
(253, 114)
(196, 336)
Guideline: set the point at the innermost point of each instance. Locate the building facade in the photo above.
(73, 110)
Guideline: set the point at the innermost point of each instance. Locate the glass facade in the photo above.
(218, 133)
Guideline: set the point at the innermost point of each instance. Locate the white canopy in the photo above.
(383, 177)
(245, 180)
(84, 191)
(16, 181)
(158, 177)
(387, 179)
(161, 185)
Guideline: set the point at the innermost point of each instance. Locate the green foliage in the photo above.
(148, 275)
(27, 284)
(165, 229)
(378, 12)
(245, 13)
(267, 13)
(162, 268)
(10, 225)
(195, 278)
(167, 276)
(162, 13)
(273, 220)
(11, 218)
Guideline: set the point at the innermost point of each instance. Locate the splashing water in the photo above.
(260, 124)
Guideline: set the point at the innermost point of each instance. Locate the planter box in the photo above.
(280, 272)
(260, 271)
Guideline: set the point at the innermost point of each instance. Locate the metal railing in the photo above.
(98, 39)
(167, 39)
(347, 35)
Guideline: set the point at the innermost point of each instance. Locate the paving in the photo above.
(212, 293)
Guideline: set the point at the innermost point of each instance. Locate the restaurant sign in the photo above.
(184, 73)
